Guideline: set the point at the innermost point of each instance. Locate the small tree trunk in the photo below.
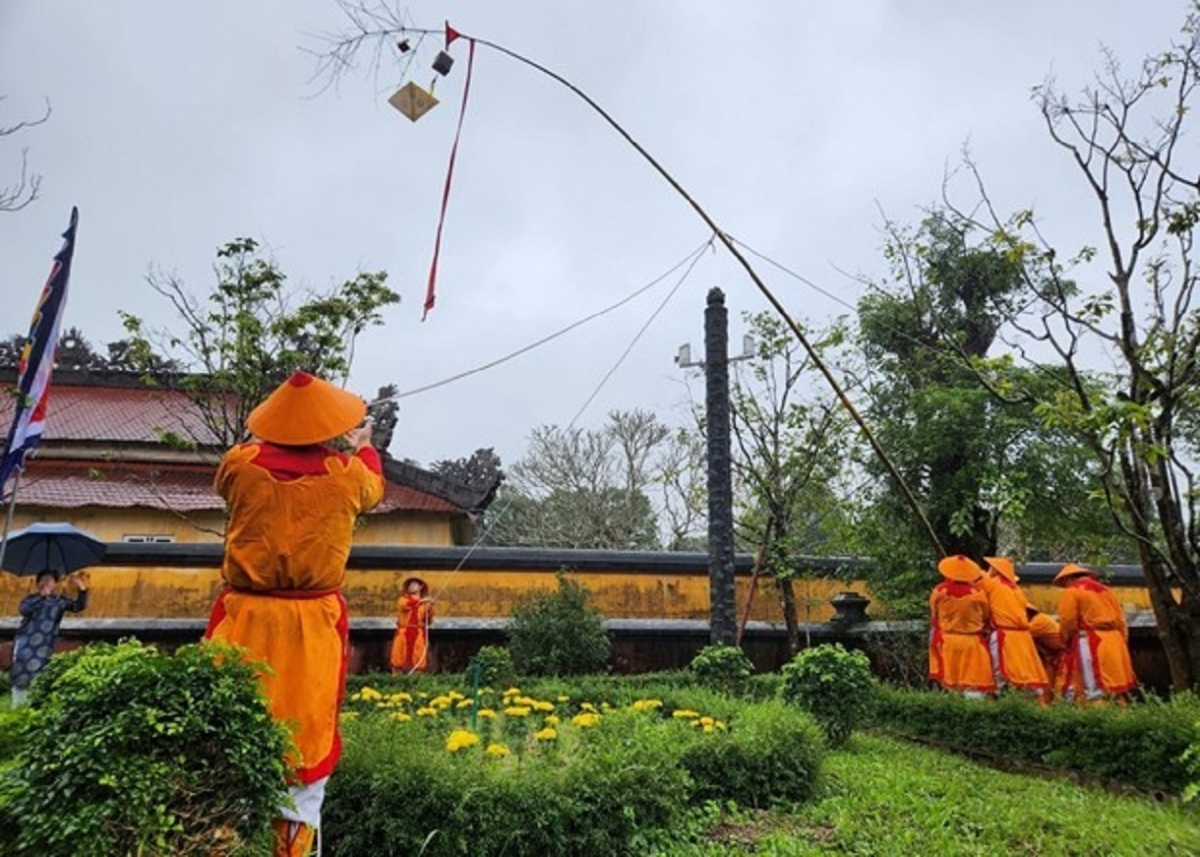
(788, 595)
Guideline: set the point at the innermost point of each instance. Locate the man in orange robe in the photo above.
(1014, 654)
(1097, 664)
(292, 508)
(410, 646)
(958, 630)
(1048, 639)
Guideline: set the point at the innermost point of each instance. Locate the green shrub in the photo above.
(835, 686)
(395, 793)
(494, 665)
(1142, 746)
(131, 751)
(557, 633)
(626, 770)
(770, 754)
(723, 667)
(1191, 761)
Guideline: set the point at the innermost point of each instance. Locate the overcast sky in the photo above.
(179, 126)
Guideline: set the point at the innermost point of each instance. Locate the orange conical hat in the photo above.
(304, 410)
(960, 568)
(1004, 566)
(1071, 570)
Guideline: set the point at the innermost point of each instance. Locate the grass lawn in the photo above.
(885, 797)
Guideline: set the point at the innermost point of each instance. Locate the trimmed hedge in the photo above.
(1141, 746)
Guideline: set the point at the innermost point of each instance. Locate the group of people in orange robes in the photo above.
(984, 635)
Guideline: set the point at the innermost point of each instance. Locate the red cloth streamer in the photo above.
(430, 296)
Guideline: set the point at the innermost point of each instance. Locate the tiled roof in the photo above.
(116, 415)
(179, 488)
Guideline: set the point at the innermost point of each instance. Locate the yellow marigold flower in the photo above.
(517, 711)
(707, 721)
(513, 691)
(401, 717)
(454, 694)
(547, 734)
(422, 695)
(497, 750)
(720, 725)
(356, 696)
(461, 738)
(694, 722)
(647, 704)
(464, 703)
(441, 702)
(349, 715)
(707, 727)
(585, 720)
(426, 711)
(685, 714)
(552, 720)
(401, 697)
(538, 705)
(525, 700)
(562, 697)
(587, 706)
(370, 694)
(486, 712)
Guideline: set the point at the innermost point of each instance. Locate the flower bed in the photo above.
(547, 771)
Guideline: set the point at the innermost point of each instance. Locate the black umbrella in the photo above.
(59, 548)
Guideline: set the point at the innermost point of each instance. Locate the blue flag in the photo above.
(37, 360)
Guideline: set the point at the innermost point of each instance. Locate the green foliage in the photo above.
(251, 333)
(494, 665)
(834, 685)
(770, 754)
(131, 751)
(1142, 746)
(722, 667)
(558, 633)
(1191, 761)
(622, 776)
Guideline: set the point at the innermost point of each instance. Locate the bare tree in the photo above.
(788, 456)
(585, 488)
(14, 197)
(1125, 136)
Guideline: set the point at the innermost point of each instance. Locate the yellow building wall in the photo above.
(170, 593)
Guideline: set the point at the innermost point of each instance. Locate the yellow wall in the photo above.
(188, 593)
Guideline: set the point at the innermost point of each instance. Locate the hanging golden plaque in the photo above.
(413, 101)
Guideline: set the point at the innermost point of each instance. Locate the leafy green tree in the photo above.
(990, 474)
(250, 333)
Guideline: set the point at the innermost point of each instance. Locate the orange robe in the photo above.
(958, 627)
(291, 520)
(410, 647)
(1048, 639)
(1014, 653)
(1096, 634)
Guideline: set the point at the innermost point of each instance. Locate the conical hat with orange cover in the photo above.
(304, 410)
(960, 568)
(1004, 566)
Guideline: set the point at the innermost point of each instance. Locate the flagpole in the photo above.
(12, 504)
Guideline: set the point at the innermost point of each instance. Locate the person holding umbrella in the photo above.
(46, 552)
(41, 614)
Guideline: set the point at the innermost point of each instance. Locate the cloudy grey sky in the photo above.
(178, 126)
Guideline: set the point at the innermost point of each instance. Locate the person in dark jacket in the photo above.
(41, 614)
